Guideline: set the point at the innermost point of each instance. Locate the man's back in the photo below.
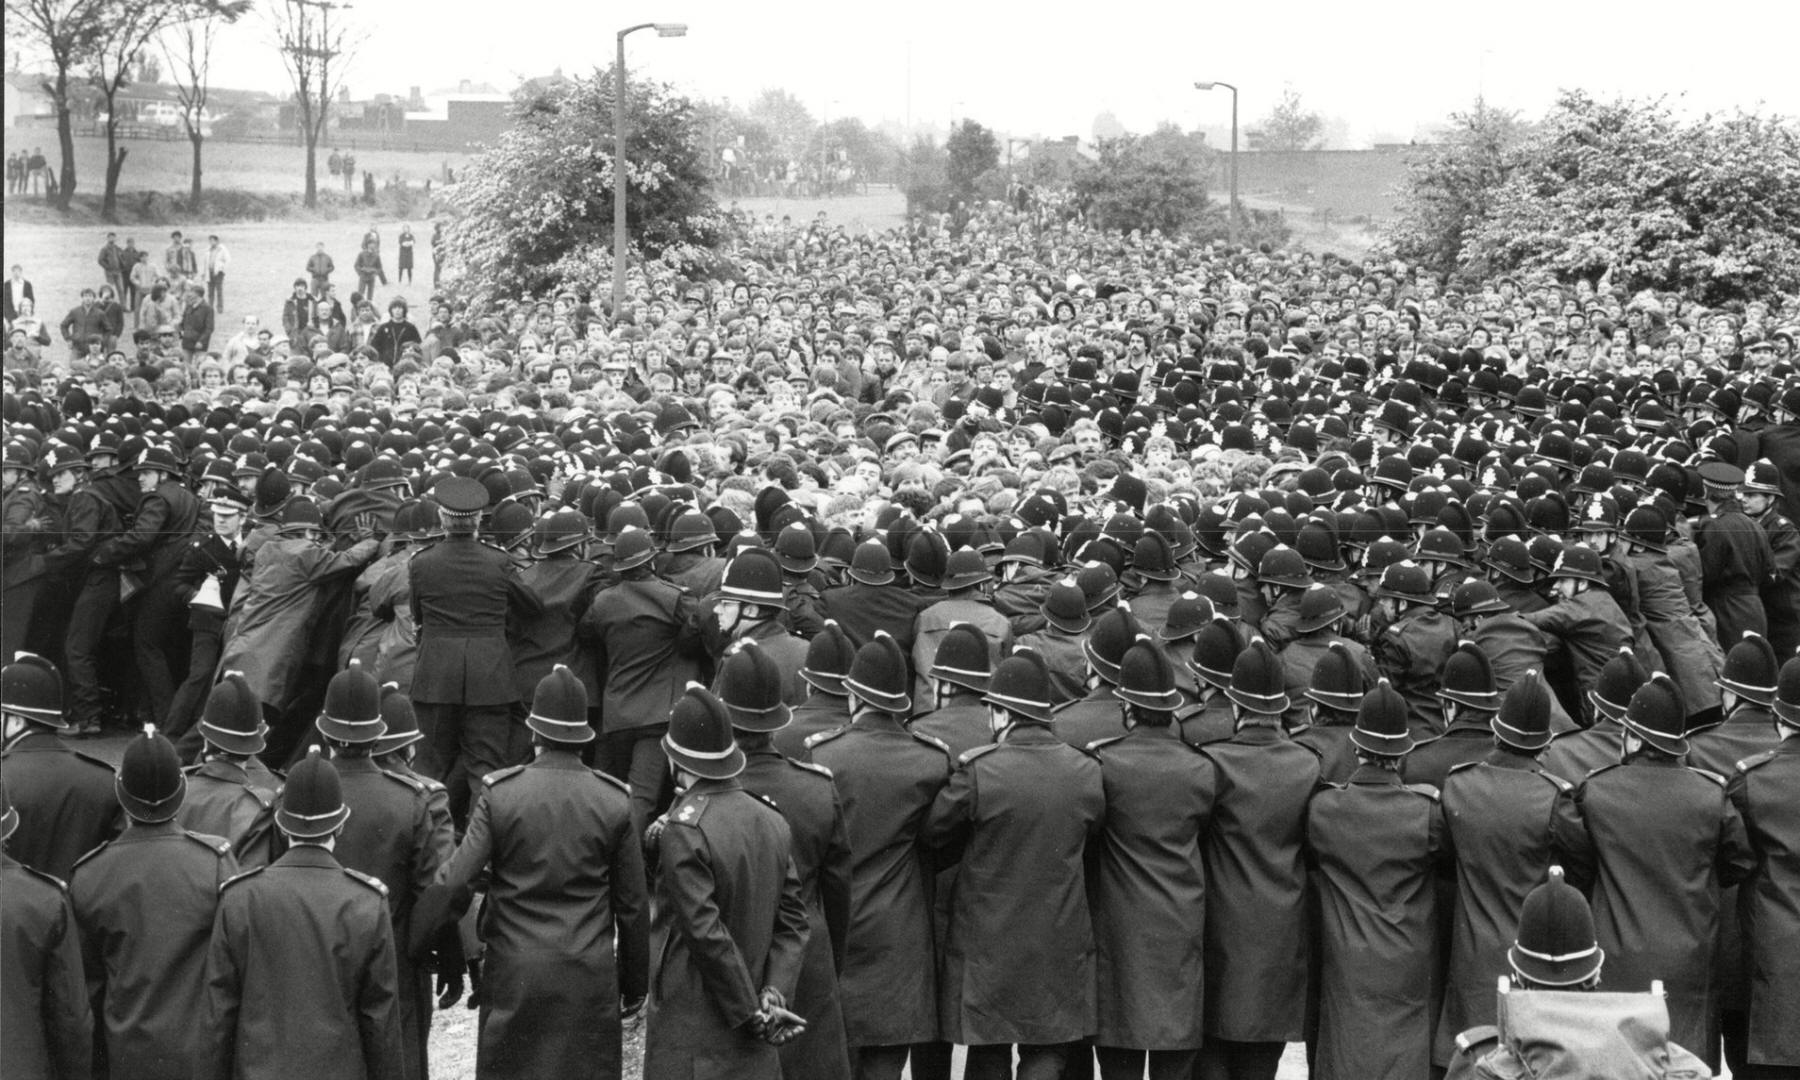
(461, 591)
(43, 997)
(1762, 789)
(863, 609)
(300, 975)
(642, 634)
(65, 801)
(236, 801)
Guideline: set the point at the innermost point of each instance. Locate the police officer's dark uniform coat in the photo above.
(1593, 628)
(961, 725)
(1019, 963)
(804, 794)
(1411, 653)
(1431, 760)
(861, 609)
(1656, 841)
(645, 646)
(1375, 843)
(43, 997)
(1762, 789)
(1573, 755)
(1257, 933)
(1496, 829)
(461, 593)
(65, 801)
(1513, 647)
(146, 903)
(565, 874)
(886, 778)
(1098, 715)
(728, 922)
(566, 588)
(236, 801)
(300, 976)
(818, 714)
(1735, 564)
(1148, 889)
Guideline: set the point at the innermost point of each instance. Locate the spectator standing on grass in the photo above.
(129, 258)
(36, 169)
(17, 291)
(85, 320)
(140, 280)
(393, 336)
(197, 323)
(349, 166)
(437, 253)
(368, 187)
(158, 308)
(403, 270)
(111, 262)
(114, 315)
(218, 257)
(368, 269)
(320, 267)
(296, 311)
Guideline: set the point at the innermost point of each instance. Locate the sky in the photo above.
(1390, 69)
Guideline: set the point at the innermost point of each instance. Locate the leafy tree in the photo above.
(972, 150)
(1155, 181)
(1625, 190)
(66, 31)
(316, 53)
(1289, 126)
(1450, 185)
(787, 119)
(925, 178)
(189, 48)
(535, 211)
(1107, 126)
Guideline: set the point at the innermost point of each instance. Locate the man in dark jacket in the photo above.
(886, 778)
(150, 552)
(64, 798)
(146, 903)
(566, 923)
(750, 689)
(197, 323)
(730, 928)
(1735, 560)
(463, 687)
(1149, 881)
(391, 338)
(43, 998)
(872, 601)
(205, 582)
(98, 510)
(1655, 841)
(85, 321)
(300, 972)
(230, 792)
(827, 704)
(1018, 816)
(645, 645)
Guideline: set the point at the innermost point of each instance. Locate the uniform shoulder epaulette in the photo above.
(928, 739)
(370, 880)
(411, 783)
(1071, 702)
(61, 885)
(1098, 743)
(1559, 782)
(613, 780)
(90, 855)
(247, 874)
(690, 810)
(1428, 740)
(826, 736)
(972, 754)
(1461, 765)
(1708, 773)
(765, 800)
(1477, 1036)
(218, 845)
(92, 760)
(499, 775)
(1427, 790)
(1755, 760)
(1596, 772)
(811, 767)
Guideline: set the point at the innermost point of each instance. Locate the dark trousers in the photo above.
(635, 755)
(995, 1062)
(215, 292)
(17, 605)
(1117, 1064)
(159, 637)
(463, 741)
(1222, 1059)
(94, 608)
(930, 1061)
(190, 696)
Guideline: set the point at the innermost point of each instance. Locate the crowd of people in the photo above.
(1092, 650)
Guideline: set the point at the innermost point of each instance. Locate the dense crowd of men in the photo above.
(1095, 651)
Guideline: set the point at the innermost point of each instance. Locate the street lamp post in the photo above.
(1231, 222)
(619, 237)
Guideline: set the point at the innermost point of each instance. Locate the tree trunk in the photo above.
(196, 138)
(115, 161)
(65, 136)
(312, 169)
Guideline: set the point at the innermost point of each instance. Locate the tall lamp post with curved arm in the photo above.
(619, 238)
(1232, 214)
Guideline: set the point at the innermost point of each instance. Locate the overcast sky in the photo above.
(1389, 68)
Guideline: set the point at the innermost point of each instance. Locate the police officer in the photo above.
(645, 645)
(827, 704)
(1099, 714)
(1149, 881)
(749, 686)
(1469, 699)
(871, 600)
(965, 580)
(1496, 828)
(64, 798)
(1761, 789)
(230, 792)
(1315, 632)
(300, 971)
(390, 836)
(1215, 651)
(730, 927)
(1332, 700)
(1584, 618)
(98, 510)
(150, 551)
(146, 902)
(25, 535)
(887, 777)
(43, 998)
(750, 608)
(1656, 841)
(1574, 754)
(1735, 560)
(565, 918)
(461, 592)
(1018, 816)
(1416, 640)
(1557, 952)
(1258, 937)
(1061, 639)
(960, 672)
